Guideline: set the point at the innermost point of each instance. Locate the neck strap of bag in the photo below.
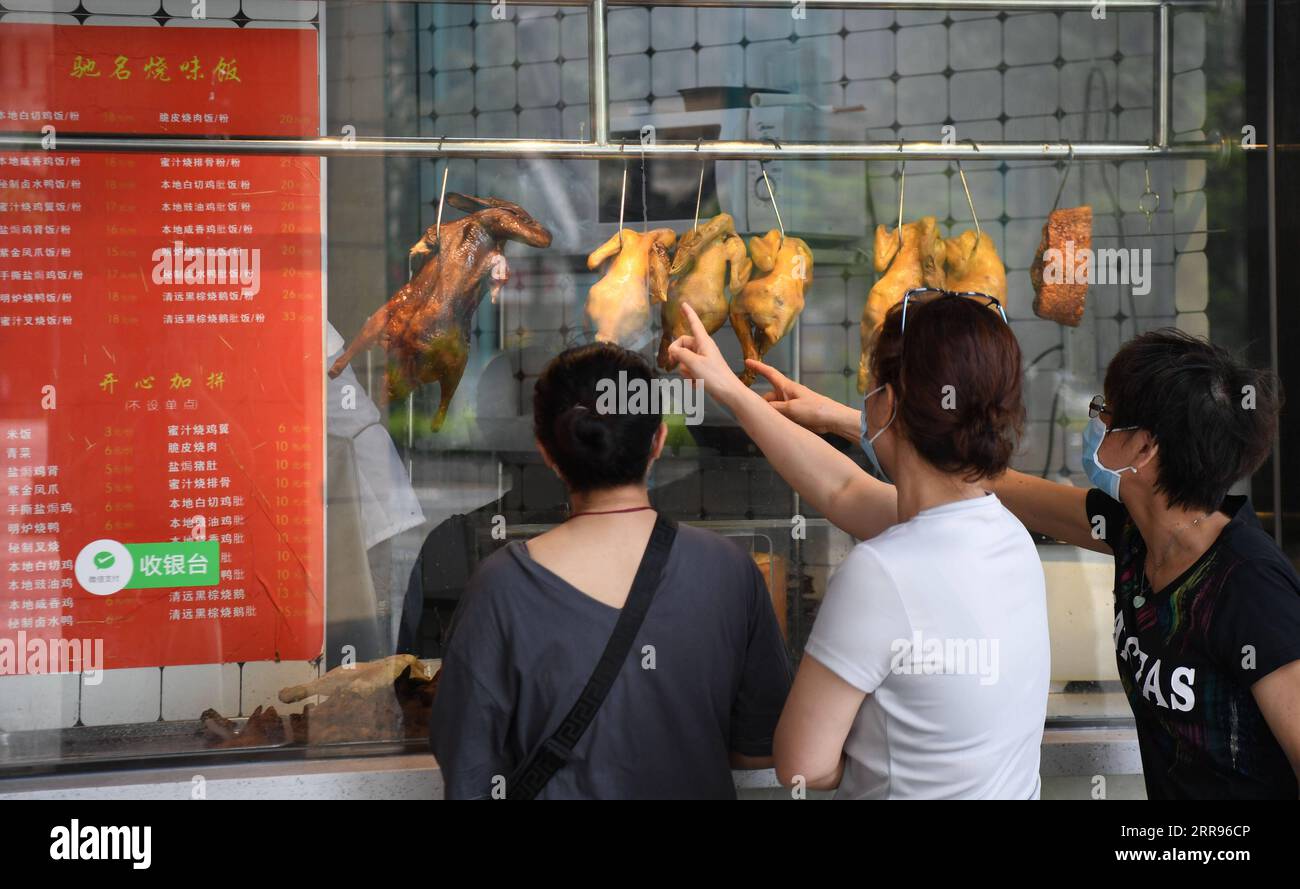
(533, 774)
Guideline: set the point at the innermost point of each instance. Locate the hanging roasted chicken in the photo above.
(974, 266)
(767, 306)
(910, 256)
(425, 326)
(619, 303)
(700, 279)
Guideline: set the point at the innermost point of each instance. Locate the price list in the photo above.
(161, 376)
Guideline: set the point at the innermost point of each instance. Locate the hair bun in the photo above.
(592, 450)
(583, 433)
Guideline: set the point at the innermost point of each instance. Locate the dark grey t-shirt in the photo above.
(528, 641)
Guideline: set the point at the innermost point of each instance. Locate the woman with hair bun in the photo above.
(700, 687)
(926, 673)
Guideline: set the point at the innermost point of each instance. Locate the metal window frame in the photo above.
(599, 146)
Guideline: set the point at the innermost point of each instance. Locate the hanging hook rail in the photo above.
(998, 5)
(572, 149)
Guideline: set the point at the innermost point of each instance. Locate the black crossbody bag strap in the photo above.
(531, 776)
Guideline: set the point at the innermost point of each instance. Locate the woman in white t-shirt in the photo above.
(927, 670)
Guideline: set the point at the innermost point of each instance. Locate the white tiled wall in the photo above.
(38, 702)
(123, 696)
(183, 687)
(143, 694)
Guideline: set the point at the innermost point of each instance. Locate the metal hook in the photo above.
(1064, 177)
(645, 206)
(699, 195)
(970, 202)
(699, 192)
(437, 225)
(622, 202)
(1148, 207)
(762, 165)
(442, 197)
(902, 185)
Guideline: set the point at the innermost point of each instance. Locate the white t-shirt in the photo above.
(942, 620)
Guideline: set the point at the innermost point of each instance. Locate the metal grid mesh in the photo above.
(991, 76)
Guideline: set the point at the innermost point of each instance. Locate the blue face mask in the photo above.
(868, 442)
(1102, 477)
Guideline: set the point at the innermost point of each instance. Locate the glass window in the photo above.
(214, 482)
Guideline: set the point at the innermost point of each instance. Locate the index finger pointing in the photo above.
(769, 373)
(698, 333)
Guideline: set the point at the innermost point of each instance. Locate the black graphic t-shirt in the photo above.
(1189, 654)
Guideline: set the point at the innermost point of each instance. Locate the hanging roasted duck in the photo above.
(974, 266)
(425, 326)
(619, 303)
(768, 304)
(699, 278)
(911, 255)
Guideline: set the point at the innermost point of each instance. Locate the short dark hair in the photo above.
(974, 428)
(593, 450)
(1213, 417)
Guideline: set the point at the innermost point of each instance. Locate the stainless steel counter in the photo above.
(1073, 759)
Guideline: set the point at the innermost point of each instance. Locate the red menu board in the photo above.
(161, 367)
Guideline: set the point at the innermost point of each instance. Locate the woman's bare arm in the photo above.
(814, 725)
(831, 482)
(1049, 508)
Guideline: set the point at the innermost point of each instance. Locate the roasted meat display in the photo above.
(974, 266)
(362, 679)
(425, 326)
(619, 303)
(700, 279)
(385, 700)
(1069, 233)
(911, 255)
(263, 728)
(769, 303)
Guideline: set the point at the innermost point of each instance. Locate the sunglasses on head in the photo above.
(920, 295)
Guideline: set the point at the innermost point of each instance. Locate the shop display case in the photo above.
(154, 397)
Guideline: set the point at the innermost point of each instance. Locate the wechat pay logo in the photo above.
(103, 567)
